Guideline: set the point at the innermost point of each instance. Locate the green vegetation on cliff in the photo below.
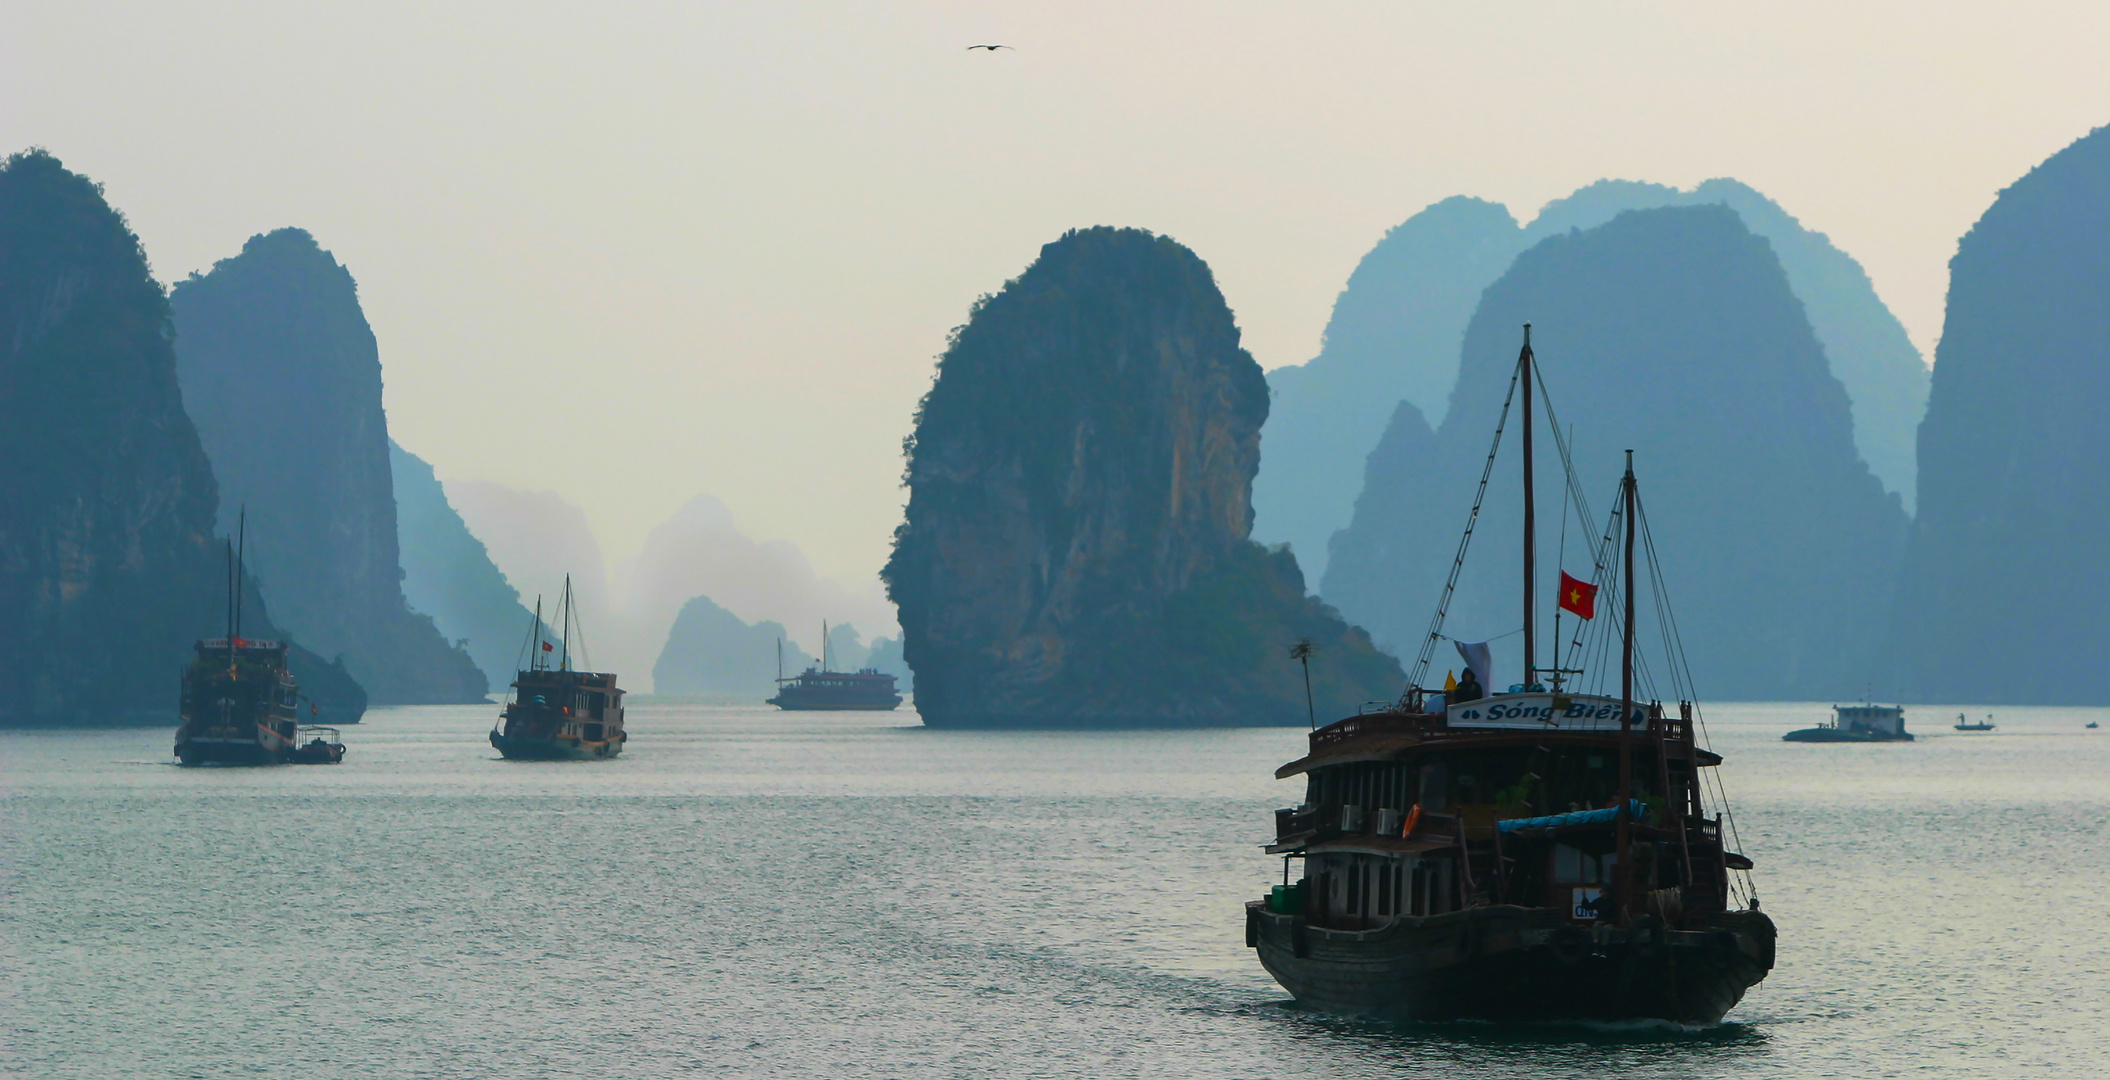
(1075, 550)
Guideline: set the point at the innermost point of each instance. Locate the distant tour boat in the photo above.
(820, 689)
(240, 703)
(558, 714)
(1986, 725)
(1860, 723)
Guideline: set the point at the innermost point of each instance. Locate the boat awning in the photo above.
(1603, 816)
(1369, 748)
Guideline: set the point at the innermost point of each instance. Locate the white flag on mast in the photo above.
(1476, 657)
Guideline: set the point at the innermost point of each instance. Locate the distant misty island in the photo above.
(1114, 517)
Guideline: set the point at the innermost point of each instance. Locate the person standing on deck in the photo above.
(1468, 689)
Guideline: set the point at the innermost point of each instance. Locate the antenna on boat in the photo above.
(1624, 884)
(1530, 523)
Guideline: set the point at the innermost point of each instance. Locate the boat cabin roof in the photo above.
(584, 680)
(1499, 720)
(246, 646)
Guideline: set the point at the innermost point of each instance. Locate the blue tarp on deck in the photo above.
(1580, 817)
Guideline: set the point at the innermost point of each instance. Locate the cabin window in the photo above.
(1355, 887)
(1581, 867)
(1387, 884)
(1432, 787)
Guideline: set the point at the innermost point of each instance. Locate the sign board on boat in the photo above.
(1542, 712)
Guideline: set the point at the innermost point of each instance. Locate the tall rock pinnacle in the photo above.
(1075, 551)
(281, 373)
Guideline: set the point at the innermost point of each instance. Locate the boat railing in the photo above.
(1341, 731)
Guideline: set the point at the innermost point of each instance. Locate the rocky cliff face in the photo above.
(1672, 331)
(2005, 583)
(1075, 551)
(448, 574)
(282, 376)
(109, 569)
(1397, 328)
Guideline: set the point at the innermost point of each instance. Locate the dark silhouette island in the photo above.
(712, 651)
(448, 573)
(2005, 583)
(1673, 332)
(1075, 551)
(109, 567)
(281, 373)
(1397, 328)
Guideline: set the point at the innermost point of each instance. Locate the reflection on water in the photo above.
(748, 892)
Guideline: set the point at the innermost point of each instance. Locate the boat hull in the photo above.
(518, 749)
(880, 705)
(228, 752)
(1515, 964)
(1834, 735)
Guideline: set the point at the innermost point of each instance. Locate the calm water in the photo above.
(748, 892)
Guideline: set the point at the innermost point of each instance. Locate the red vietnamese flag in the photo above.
(547, 647)
(1579, 597)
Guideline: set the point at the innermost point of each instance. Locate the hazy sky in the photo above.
(631, 252)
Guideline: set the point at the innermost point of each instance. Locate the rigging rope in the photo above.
(1450, 584)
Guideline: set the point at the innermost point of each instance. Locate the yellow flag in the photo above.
(1450, 681)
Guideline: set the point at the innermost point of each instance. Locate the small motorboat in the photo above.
(1984, 725)
(316, 746)
(2093, 724)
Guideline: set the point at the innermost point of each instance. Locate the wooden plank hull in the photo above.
(554, 749)
(1516, 964)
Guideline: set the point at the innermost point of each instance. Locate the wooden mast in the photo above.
(241, 556)
(564, 657)
(230, 603)
(1623, 880)
(1530, 523)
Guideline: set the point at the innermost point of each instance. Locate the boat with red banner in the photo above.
(1561, 851)
(557, 713)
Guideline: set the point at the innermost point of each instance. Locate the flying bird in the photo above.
(991, 48)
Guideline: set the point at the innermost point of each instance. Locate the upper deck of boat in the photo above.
(1532, 718)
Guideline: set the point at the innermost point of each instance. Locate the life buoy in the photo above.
(1413, 819)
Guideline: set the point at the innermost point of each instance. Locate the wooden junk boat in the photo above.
(240, 703)
(558, 714)
(823, 689)
(1539, 854)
